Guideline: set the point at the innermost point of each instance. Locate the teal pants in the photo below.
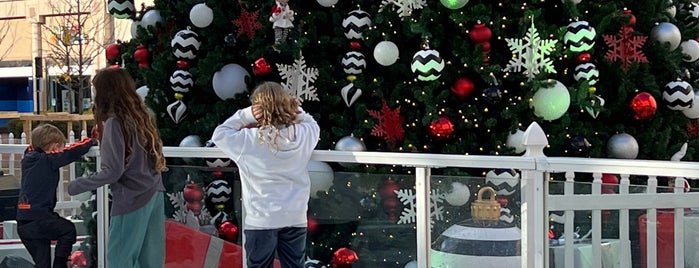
(137, 239)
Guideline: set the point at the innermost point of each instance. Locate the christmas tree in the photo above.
(608, 79)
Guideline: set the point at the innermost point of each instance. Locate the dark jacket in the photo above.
(40, 175)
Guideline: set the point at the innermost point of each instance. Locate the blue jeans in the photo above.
(288, 243)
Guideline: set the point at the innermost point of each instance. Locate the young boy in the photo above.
(37, 223)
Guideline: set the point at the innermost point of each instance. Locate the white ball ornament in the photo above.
(580, 36)
(516, 141)
(504, 181)
(622, 146)
(666, 32)
(690, 50)
(356, 22)
(232, 79)
(201, 15)
(454, 4)
(142, 92)
(386, 53)
(353, 62)
(121, 9)
(151, 18)
(693, 112)
(587, 71)
(218, 191)
(427, 64)
(321, 175)
(678, 95)
(349, 144)
(181, 81)
(551, 102)
(459, 195)
(190, 141)
(134, 28)
(185, 44)
(327, 3)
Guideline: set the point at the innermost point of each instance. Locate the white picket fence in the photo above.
(537, 202)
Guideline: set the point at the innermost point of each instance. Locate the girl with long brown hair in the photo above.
(132, 161)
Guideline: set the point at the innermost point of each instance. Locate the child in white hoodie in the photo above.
(272, 157)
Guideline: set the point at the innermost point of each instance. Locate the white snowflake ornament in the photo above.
(404, 8)
(529, 54)
(299, 79)
(409, 214)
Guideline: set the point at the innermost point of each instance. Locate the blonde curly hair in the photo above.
(278, 110)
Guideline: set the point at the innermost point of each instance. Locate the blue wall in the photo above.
(15, 95)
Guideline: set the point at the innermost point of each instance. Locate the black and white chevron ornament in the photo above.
(353, 62)
(177, 111)
(186, 44)
(587, 71)
(218, 191)
(580, 36)
(350, 93)
(504, 181)
(121, 9)
(181, 81)
(678, 95)
(356, 22)
(216, 162)
(494, 244)
(427, 64)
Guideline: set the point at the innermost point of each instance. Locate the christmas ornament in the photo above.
(350, 144)
(218, 191)
(551, 101)
(690, 50)
(693, 129)
(531, 54)
(505, 182)
(459, 195)
(625, 48)
(220, 217)
(314, 263)
(578, 146)
(177, 110)
(142, 56)
(311, 225)
(492, 95)
(643, 105)
(282, 18)
(403, 8)
(142, 92)
(192, 192)
(480, 33)
(411, 264)
(693, 112)
(248, 23)
(462, 87)
(386, 53)
(353, 62)
(409, 213)
(344, 257)
(181, 81)
(594, 104)
(390, 125)
(350, 94)
(194, 207)
(667, 33)
(485, 226)
(356, 22)
(454, 4)
(230, 39)
(632, 18)
(622, 146)
(321, 176)
(580, 36)
(201, 15)
(583, 57)
(134, 28)
(150, 19)
(261, 67)
(231, 80)
(228, 231)
(678, 95)
(515, 140)
(216, 162)
(185, 44)
(77, 259)
(182, 64)
(298, 79)
(354, 45)
(427, 64)
(327, 3)
(113, 52)
(121, 9)
(442, 128)
(587, 71)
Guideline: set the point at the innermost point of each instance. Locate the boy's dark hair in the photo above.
(45, 135)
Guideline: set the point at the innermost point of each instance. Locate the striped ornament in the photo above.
(216, 162)
(580, 36)
(177, 111)
(181, 81)
(350, 94)
(493, 244)
(678, 95)
(218, 191)
(587, 71)
(356, 22)
(427, 64)
(504, 181)
(353, 62)
(121, 9)
(185, 44)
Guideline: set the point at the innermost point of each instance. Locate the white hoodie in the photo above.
(275, 182)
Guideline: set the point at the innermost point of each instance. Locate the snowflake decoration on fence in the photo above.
(181, 213)
(531, 56)
(390, 125)
(404, 8)
(299, 79)
(626, 48)
(409, 214)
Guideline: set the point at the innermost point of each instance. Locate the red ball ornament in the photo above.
(312, 225)
(217, 173)
(195, 207)
(344, 257)
(143, 65)
(261, 67)
(632, 18)
(485, 47)
(389, 189)
(643, 105)
(192, 192)
(113, 51)
(77, 259)
(462, 87)
(583, 57)
(141, 54)
(228, 231)
(354, 45)
(480, 33)
(502, 201)
(442, 129)
(182, 64)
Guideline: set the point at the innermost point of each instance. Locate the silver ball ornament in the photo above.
(622, 146)
(666, 32)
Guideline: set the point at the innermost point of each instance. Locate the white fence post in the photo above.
(11, 165)
(534, 211)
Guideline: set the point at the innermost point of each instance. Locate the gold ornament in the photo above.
(487, 210)
(351, 78)
(179, 96)
(592, 90)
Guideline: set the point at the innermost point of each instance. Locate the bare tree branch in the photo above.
(8, 34)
